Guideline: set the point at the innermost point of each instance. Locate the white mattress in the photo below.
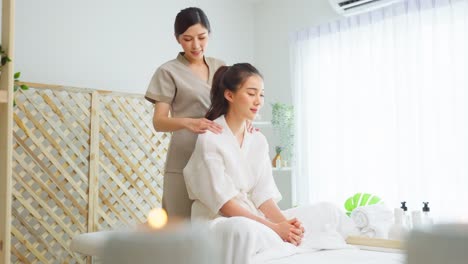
(92, 244)
(341, 256)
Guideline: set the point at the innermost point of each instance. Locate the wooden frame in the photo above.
(83, 160)
(6, 123)
(3, 96)
(108, 198)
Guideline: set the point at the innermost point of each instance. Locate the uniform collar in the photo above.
(181, 58)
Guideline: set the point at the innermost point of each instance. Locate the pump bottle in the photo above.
(426, 219)
(406, 216)
(397, 230)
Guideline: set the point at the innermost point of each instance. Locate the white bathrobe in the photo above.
(220, 170)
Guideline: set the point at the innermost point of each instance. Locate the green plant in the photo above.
(282, 120)
(360, 199)
(278, 149)
(16, 76)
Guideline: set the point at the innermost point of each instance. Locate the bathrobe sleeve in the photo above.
(265, 188)
(206, 177)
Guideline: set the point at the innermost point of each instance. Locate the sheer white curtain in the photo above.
(381, 102)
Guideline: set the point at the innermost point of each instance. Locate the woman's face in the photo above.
(194, 41)
(248, 99)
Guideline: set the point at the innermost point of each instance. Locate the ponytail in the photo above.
(219, 104)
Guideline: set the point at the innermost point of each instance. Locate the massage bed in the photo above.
(239, 240)
(94, 244)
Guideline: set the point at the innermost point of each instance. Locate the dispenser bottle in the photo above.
(417, 218)
(406, 216)
(398, 230)
(426, 218)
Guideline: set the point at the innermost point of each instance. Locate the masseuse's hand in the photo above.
(251, 128)
(201, 125)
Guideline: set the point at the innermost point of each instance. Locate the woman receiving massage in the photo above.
(229, 175)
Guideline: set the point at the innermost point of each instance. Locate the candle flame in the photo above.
(157, 218)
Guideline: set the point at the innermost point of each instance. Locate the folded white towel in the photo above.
(373, 220)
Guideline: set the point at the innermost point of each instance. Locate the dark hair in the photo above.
(227, 78)
(188, 17)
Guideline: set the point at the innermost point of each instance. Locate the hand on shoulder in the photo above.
(201, 125)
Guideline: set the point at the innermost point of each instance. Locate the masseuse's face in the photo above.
(248, 99)
(194, 41)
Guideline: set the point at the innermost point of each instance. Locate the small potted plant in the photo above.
(276, 162)
(282, 120)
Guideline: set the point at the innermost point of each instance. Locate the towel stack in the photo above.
(373, 220)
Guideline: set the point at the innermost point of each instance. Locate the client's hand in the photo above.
(288, 231)
(297, 233)
(298, 224)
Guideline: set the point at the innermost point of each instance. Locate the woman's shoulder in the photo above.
(208, 136)
(215, 62)
(168, 65)
(209, 142)
(211, 139)
(259, 139)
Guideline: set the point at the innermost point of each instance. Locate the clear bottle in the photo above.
(426, 218)
(397, 230)
(417, 218)
(406, 216)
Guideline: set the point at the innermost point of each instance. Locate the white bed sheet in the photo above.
(340, 256)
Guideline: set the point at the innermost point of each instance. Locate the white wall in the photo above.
(118, 44)
(275, 20)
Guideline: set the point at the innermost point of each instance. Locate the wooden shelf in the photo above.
(261, 123)
(375, 242)
(3, 96)
(282, 169)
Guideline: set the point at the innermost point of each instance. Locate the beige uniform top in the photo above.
(189, 96)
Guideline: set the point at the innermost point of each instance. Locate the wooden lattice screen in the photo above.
(83, 161)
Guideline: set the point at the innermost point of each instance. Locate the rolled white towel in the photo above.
(377, 231)
(372, 220)
(371, 214)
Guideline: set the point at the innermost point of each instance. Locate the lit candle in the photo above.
(157, 218)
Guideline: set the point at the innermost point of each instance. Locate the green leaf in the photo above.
(24, 87)
(14, 102)
(360, 199)
(349, 205)
(374, 200)
(364, 199)
(356, 198)
(15, 88)
(17, 75)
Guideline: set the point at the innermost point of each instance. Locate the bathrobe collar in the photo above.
(228, 132)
